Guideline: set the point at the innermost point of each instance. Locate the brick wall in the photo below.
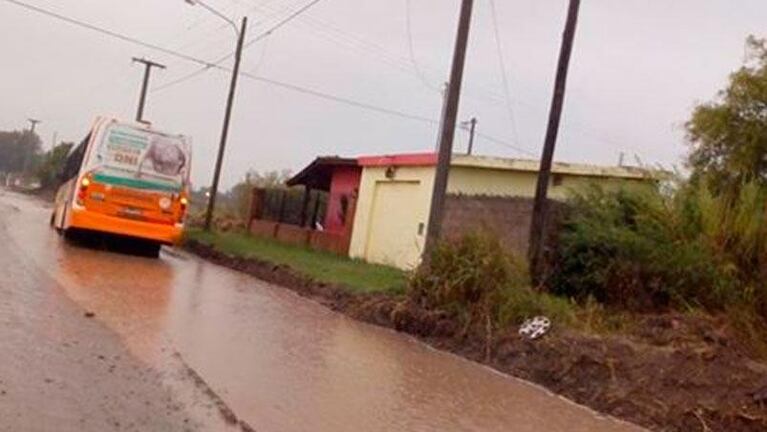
(506, 217)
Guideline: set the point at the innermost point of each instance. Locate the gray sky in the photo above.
(638, 68)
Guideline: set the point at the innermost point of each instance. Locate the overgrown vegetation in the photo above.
(700, 243)
(728, 136)
(478, 280)
(649, 250)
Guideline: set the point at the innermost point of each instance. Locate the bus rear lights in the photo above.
(183, 203)
(81, 193)
(165, 203)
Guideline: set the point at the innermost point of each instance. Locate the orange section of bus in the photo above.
(151, 215)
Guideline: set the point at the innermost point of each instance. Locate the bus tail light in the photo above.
(83, 189)
(183, 204)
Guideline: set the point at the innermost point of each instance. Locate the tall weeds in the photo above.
(646, 249)
(483, 284)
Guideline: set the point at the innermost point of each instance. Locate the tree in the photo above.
(51, 164)
(239, 195)
(18, 149)
(728, 136)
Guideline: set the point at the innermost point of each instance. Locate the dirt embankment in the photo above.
(671, 373)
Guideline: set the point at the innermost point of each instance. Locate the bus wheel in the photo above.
(151, 250)
(53, 219)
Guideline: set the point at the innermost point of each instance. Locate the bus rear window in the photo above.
(141, 159)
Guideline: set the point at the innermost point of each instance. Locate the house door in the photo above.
(393, 234)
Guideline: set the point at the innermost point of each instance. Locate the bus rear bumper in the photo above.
(160, 233)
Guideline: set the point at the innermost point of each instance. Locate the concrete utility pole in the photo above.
(540, 206)
(32, 124)
(240, 32)
(148, 65)
(225, 130)
(472, 124)
(448, 128)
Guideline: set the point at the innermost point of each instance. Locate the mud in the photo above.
(670, 373)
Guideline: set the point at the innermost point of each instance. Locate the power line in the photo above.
(222, 59)
(107, 32)
(213, 65)
(340, 99)
(505, 144)
(293, 87)
(411, 48)
(502, 65)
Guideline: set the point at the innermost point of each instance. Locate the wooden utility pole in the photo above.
(148, 65)
(540, 206)
(448, 128)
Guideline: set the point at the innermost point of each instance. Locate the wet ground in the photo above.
(92, 340)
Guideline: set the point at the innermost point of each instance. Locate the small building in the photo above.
(383, 202)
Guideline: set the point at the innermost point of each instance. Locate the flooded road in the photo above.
(191, 345)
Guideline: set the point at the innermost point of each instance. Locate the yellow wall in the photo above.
(477, 181)
(389, 215)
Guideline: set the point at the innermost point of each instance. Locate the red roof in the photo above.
(406, 159)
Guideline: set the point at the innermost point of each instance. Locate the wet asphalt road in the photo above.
(179, 344)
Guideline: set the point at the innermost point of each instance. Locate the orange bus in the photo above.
(125, 179)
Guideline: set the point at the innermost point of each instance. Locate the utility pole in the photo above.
(32, 124)
(148, 65)
(472, 129)
(448, 128)
(225, 130)
(540, 206)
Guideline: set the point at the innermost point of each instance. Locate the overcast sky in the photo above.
(638, 68)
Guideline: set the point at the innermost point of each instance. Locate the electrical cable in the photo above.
(285, 85)
(107, 32)
(222, 59)
(411, 48)
(502, 66)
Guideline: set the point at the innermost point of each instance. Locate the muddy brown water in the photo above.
(277, 361)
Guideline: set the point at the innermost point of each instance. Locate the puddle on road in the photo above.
(283, 363)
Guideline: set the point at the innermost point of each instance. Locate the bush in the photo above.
(645, 249)
(467, 277)
(476, 279)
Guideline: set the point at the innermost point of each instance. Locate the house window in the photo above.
(557, 180)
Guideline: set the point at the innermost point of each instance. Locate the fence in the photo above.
(294, 217)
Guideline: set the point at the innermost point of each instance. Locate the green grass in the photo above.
(358, 276)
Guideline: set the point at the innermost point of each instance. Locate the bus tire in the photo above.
(151, 250)
(68, 234)
(52, 222)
